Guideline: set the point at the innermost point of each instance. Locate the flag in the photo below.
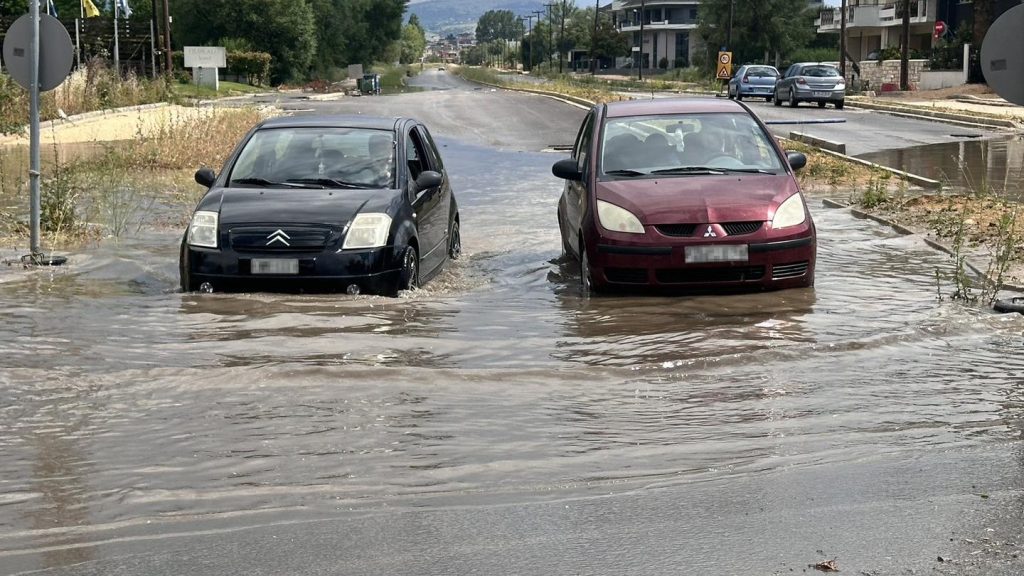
(89, 9)
(126, 11)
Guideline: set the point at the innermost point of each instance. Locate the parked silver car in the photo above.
(755, 80)
(811, 82)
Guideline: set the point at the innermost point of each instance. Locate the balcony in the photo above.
(871, 16)
(655, 25)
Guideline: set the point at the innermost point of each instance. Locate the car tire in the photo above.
(1015, 304)
(566, 246)
(739, 96)
(586, 277)
(840, 104)
(728, 92)
(821, 104)
(409, 275)
(454, 241)
(768, 98)
(775, 99)
(793, 102)
(184, 274)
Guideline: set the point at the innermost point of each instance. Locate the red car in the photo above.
(687, 193)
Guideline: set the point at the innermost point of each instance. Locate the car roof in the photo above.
(334, 121)
(671, 106)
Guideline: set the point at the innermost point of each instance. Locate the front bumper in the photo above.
(771, 265)
(376, 270)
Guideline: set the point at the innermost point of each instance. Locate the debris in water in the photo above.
(826, 566)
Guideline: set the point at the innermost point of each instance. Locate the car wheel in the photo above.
(792, 99)
(409, 277)
(768, 98)
(729, 93)
(739, 96)
(775, 99)
(455, 242)
(184, 275)
(821, 104)
(566, 246)
(840, 104)
(586, 280)
(1015, 304)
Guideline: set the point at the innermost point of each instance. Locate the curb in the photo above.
(926, 183)
(818, 142)
(935, 244)
(938, 116)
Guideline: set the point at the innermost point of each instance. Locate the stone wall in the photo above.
(880, 75)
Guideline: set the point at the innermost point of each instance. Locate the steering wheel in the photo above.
(724, 161)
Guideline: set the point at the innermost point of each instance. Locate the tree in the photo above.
(759, 27)
(579, 28)
(414, 42)
(498, 25)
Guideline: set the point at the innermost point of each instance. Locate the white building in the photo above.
(669, 31)
(872, 25)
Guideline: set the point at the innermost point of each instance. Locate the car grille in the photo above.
(701, 275)
(783, 271)
(626, 275)
(676, 229)
(741, 228)
(294, 239)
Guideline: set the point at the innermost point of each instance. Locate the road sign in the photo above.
(206, 57)
(940, 28)
(724, 69)
(56, 53)
(1002, 55)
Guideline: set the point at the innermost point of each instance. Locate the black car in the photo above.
(349, 203)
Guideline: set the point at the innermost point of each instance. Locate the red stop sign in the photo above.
(940, 28)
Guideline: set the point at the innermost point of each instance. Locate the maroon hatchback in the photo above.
(687, 193)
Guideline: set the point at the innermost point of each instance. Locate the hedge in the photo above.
(253, 66)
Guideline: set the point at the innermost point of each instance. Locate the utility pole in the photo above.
(905, 48)
(537, 13)
(551, 28)
(728, 37)
(561, 38)
(842, 40)
(529, 47)
(522, 38)
(155, 18)
(168, 61)
(593, 39)
(640, 73)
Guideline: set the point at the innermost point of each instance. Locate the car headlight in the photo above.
(840, 85)
(790, 213)
(367, 231)
(618, 219)
(202, 231)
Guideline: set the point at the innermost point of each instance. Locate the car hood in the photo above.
(295, 205)
(700, 199)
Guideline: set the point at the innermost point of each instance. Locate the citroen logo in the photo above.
(710, 233)
(278, 236)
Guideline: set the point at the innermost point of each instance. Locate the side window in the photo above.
(789, 72)
(583, 142)
(415, 156)
(431, 148)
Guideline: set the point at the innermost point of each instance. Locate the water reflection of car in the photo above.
(689, 194)
(326, 203)
(811, 82)
(753, 80)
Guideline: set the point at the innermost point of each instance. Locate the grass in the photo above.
(206, 93)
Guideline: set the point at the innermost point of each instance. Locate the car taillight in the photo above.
(801, 81)
(746, 79)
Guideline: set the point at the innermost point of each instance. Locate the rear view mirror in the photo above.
(428, 179)
(796, 160)
(206, 177)
(567, 169)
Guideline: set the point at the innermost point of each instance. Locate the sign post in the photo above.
(38, 54)
(204, 62)
(723, 68)
(1002, 55)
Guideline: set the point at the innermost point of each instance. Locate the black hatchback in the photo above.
(328, 203)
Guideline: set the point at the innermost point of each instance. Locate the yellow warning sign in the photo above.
(724, 69)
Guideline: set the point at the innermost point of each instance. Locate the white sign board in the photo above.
(206, 57)
(355, 71)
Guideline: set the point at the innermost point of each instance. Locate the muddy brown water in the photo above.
(128, 410)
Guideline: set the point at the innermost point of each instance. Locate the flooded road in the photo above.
(495, 422)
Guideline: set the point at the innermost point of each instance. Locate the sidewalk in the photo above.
(968, 103)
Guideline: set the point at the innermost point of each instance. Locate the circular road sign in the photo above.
(1002, 55)
(725, 57)
(940, 28)
(55, 52)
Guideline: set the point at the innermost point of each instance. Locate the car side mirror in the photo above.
(428, 179)
(567, 169)
(796, 160)
(206, 177)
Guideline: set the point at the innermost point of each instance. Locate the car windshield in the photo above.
(686, 144)
(316, 157)
(819, 71)
(762, 72)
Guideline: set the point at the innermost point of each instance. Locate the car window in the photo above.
(820, 71)
(431, 147)
(416, 155)
(761, 72)
(642, 145)
(277, 156)
(792, 70)
(583, 140)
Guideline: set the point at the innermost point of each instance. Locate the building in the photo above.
(669, 31)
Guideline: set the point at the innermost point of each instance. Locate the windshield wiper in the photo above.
(262, 182)
(625, 172)
(749, 170)
(689, 170)
(326, 182)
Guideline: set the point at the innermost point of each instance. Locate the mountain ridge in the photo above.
(453, 16)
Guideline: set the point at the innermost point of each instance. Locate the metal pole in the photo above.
(905, 50)
(551, 28)
(33, 115)
(152, 47)
(561, 38)
(593, 39)
(643, 6)
(842, 40)
(538, 13)
(154, 26)
(728, 37)
(529, 47)
(78, 43)
(117, 46)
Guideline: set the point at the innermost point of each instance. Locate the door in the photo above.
(429, 204)
(575, 194)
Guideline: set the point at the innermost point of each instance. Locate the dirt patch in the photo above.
(967, 90)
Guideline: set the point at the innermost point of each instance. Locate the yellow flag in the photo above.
(90, 9)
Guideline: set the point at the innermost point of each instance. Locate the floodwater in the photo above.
(993, 165)
(129, 412)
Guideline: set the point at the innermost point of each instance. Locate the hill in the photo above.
(453, 16)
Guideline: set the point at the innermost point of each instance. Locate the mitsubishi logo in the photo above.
(278, 236)
(710, 233)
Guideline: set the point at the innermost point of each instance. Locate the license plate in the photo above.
(822, 94)
(716, 253)
(275, 266)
